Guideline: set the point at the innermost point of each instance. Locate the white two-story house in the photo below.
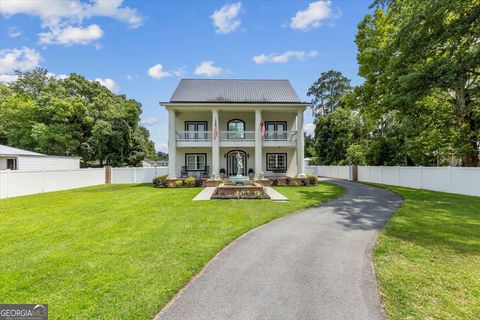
(211, 121)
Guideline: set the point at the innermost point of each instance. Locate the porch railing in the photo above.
(237, 135)
(198, 136)
(205, 136)
(280, 136)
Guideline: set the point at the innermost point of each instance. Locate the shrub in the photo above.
(190, 181)
(178, 183)
(275, 182)
(295, 183)
(288, 181)
(312, 179)
(160, 181)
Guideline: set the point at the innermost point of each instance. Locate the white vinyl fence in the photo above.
(137, 175)
(339, 172)
(19, 183)
(445, 179)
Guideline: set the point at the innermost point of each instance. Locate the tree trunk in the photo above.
(463, 112)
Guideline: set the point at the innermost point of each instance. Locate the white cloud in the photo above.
(71, 35)
(14, 32)
(206, 68)
(150, 121)
(309, 129)
(6, 78)
(158, 72)
(18, 59)
(57, 76)
(284, 57)
(161, 147)
(226, 19)
(64, 18)
(313, 16)
(132, 77)
(109, 84)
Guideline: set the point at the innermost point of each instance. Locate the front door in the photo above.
(232, 162)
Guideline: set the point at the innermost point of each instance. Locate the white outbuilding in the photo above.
(18, 159)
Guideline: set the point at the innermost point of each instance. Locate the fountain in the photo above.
(239, 187)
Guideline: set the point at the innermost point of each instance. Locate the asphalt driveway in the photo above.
(316, 264)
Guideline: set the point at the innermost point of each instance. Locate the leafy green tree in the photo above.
(72, 116)
(411, 50)
(327, 91)
(334, 134)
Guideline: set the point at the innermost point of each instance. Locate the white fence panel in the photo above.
(19, 183)
(465, 180)
(339, 172)
(410, 177)
(137, 175)
(445, 179)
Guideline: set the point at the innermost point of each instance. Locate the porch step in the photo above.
(274, 194)
(205, 194)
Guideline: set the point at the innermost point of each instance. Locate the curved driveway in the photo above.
(316, 264)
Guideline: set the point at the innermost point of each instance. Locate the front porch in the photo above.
(197, 162)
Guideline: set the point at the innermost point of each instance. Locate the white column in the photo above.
(172, 145)
(258, 143)
(215, 145)
(300, 146)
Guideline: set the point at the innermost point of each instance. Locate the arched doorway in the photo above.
(232, 162)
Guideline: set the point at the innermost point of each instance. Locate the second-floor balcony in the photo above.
(234, 138)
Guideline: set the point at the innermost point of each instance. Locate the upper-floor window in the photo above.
(236, 129)
(276, 130)
(196, 130)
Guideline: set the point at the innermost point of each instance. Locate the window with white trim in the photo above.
(196, 161)
(276, 161)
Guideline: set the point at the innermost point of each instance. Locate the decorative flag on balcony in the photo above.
(215, 131)
(262, 128)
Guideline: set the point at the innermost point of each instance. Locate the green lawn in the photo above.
(122, 251)
(427, 257)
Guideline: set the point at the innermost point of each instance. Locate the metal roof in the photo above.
(10, 151)
(6, 151)
(234, 91)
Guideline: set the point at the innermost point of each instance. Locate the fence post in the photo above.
(449, 187)
(354, 172)
(108, 174)
(421, 178)
(134, 175)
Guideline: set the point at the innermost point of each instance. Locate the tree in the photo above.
(327, 91)
(72, 116)
(412, 50)
(334, 134)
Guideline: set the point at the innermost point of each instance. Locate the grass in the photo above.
(122, 251)
(427, 258)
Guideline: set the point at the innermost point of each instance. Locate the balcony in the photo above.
(280, 139)
(193, 138)
(236, 138)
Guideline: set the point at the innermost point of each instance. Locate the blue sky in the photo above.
(143, 48)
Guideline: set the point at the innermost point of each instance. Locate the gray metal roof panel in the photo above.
(235, 91)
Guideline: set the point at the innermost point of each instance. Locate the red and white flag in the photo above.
(215, 131)
(262, 127)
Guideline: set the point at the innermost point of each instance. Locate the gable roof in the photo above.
(6, 151)
(11, 151)
(234, 91)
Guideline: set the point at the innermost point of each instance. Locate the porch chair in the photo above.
(184, 172)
